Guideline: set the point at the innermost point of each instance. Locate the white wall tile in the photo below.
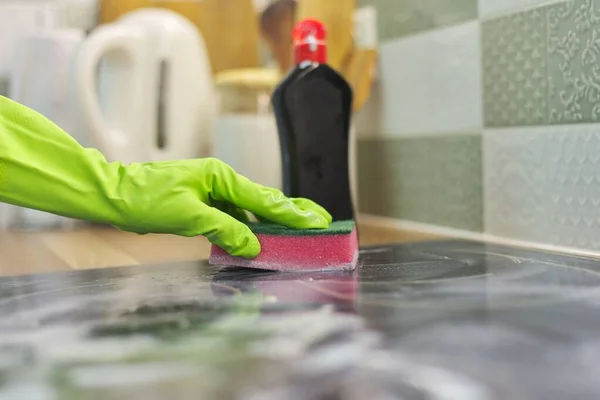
(368, 120)
(542, 184)
(492, 8)
(431, 82)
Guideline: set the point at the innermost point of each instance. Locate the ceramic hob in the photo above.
(431, 320)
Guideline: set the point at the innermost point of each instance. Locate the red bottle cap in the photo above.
(309, 41)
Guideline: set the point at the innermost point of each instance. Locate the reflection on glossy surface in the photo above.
(432, 320)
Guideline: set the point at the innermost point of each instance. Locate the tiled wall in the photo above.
(487, 118)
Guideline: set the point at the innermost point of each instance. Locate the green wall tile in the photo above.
(514, 69)
(542, 184)
(574, 61)
(403, 17)
(434, 180)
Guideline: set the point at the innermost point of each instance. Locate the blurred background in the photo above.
(472, 118)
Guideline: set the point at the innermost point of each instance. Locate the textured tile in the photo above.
(514, 69)
(404, 17)
(574, 61)
(432, 82)
(434, 180)
(543, 184)
(490, 8)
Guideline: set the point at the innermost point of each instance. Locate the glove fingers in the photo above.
(307, 204)
(225, 231)
(238, 214)
(272, 205)
(265, 202)
(232, 210)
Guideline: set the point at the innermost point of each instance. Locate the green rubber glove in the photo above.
(43, 168)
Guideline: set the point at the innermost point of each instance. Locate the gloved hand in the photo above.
(43, 168)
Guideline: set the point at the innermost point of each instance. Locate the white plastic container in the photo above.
(246, 136)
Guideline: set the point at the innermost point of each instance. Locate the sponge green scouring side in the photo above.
(335, 228)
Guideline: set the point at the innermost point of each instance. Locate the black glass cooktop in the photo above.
(431, 320)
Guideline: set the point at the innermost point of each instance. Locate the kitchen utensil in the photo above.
(41, 79)
(337, 16)
(156, 99)
(276, 24)
(359, 71)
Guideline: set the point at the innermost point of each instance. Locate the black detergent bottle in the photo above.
(313, 109)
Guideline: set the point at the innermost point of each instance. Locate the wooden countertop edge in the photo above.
(91, 247)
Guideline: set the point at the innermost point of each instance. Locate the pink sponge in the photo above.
(285, 249)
